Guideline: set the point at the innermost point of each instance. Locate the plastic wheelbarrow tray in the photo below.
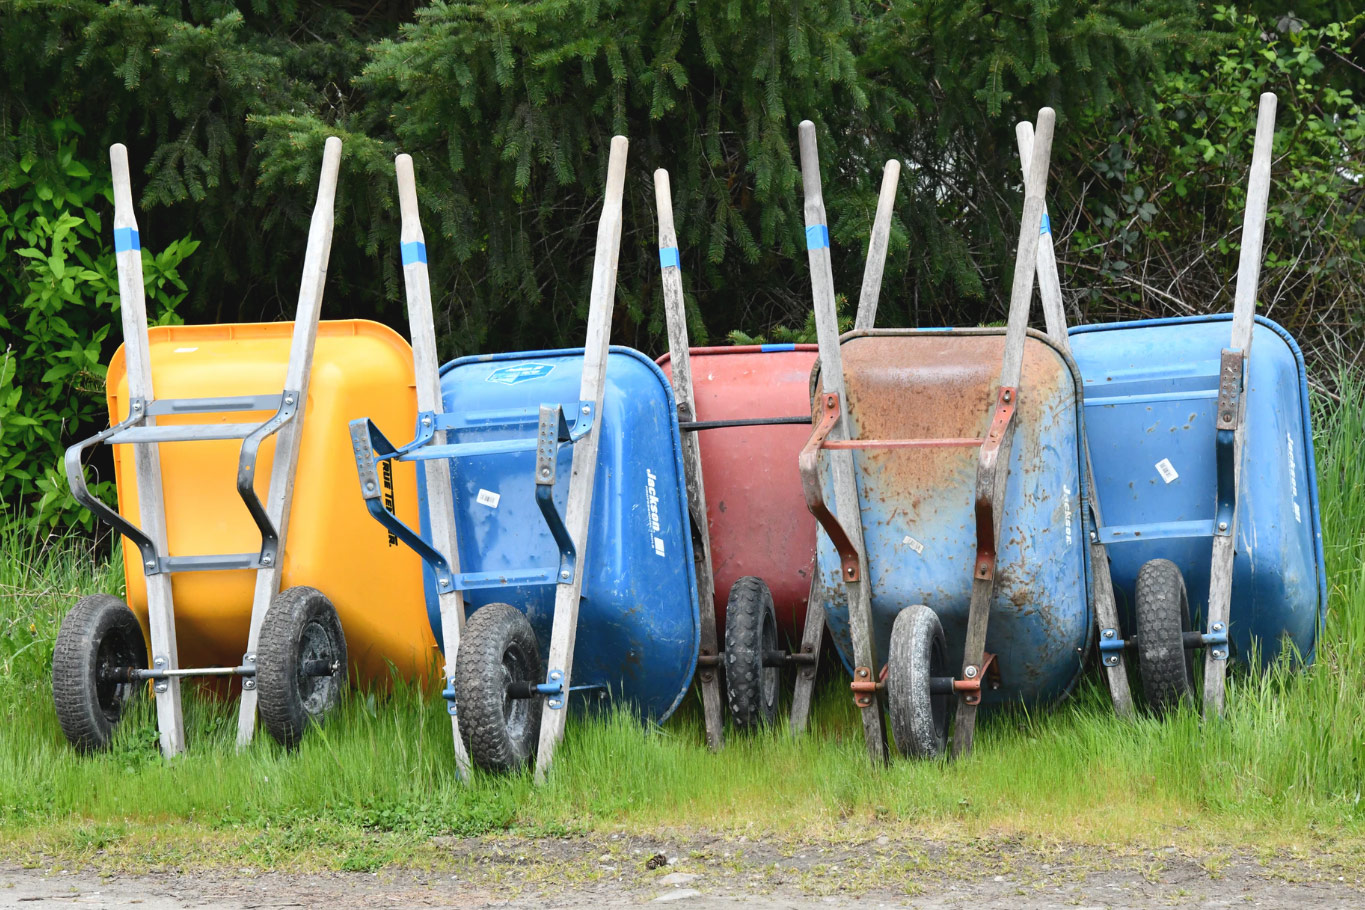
(290, 652)
(359, 367)
(1151, 389)
(917, 503)
(638, 623)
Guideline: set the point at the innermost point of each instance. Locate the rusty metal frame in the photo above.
(808, 463)
(985, 505)
(969, 687)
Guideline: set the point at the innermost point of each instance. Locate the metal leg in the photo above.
(840, 460)
(291, 435)
(565, 625)
(676, 313)
(993, 465)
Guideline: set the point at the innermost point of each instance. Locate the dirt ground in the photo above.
(710, 873)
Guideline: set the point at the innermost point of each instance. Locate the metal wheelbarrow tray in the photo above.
(759, 524)
(1151, 389)
(638, 624)
(934, 390)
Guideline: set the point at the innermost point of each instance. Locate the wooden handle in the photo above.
(1026, 256)
(411, 230)
(1049, 281)
(1253, 225)
(123, 187)
(876, 247)
(663, 200)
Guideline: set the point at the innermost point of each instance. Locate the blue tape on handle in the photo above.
(1047, 225)
(126, 239)
(817, 237)
(414, 252)
(775, 348)
(668, 256)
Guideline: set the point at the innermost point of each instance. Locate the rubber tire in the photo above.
(919, 652)
(750, 630)
(100, 631)
(498, 647)
(1163, 617)
(300, 624)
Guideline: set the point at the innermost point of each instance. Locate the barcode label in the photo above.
(1166, 470)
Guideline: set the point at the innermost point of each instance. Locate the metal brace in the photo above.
(163, 684)
(970, 687)
(1228, 417)
(985, 508)
(808, 465)
(864, 688)
(448, 693)
(249, 660)
(553, 429)
(1111, 647)
(553, 689)
(1217, 640)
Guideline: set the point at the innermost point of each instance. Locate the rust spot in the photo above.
(932, 386)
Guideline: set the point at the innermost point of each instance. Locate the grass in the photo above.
(1282, 771)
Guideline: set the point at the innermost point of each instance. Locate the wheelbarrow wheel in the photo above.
(750, 635)
(498, 648)
(99, 636)
(300, 663)
(1163, 618)
(919, 652)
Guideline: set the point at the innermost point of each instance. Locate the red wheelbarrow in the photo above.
(753, 537)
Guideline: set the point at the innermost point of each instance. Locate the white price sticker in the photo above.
(913, 544)
(1166, 470)
(488, 498)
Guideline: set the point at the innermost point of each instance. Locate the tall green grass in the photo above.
(1287, 761)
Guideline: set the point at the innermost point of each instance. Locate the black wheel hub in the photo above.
(117, 652)
(516, 711)
(317, 647)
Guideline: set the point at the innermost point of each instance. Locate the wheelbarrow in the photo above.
(1170, 412)
(215, 386)
(752, 538)
(955, 464)
(565, 504)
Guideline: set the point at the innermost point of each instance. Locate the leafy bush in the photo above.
(60, 287)
(1158, 216)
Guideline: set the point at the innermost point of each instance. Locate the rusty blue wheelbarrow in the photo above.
(953, 565)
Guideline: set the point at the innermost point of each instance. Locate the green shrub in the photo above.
(60, 287)
(1158, 213)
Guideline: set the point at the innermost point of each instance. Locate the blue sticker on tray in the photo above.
(514, 373)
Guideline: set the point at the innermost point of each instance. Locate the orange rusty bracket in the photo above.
(985, 500)
(970, 688)
(864, 689)
(815, 492)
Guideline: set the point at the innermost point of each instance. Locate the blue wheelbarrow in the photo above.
(954, 564)
(1152, 408)
(1197, 530)
(552, 492)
